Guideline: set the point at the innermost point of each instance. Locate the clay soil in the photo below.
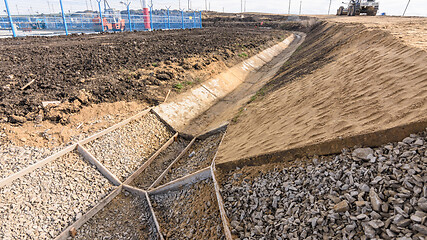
(336, 85)
(110, 67)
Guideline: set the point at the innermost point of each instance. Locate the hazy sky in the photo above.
(391, 7)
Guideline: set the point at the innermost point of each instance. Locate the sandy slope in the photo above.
(411, 30)
(355, 83)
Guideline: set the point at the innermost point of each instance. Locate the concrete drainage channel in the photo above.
(137, 179)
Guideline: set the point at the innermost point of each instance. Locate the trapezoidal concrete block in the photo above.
(186, 107)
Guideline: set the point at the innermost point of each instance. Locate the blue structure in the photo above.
(10, 18)
(100, 14)
(76, 23)
(63, 18)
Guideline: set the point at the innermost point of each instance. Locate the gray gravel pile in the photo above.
(15, 158)
(362, 193)
(160, 163)
(199, 156)
(44, 202)
(125, 149)
(125, 217)
(189, 213)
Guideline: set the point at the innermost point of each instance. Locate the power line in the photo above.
(406, 8)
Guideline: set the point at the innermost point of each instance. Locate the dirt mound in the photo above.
(111, 67)
(335, 86)
(257, 20)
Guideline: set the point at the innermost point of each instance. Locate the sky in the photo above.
(390, 7)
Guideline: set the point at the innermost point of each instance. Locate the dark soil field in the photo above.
(83, 69)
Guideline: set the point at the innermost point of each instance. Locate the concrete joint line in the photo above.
(144, 194)
(101, 168)
(8, 180)
(114, 127)
(224, 219)
(160, 178)
(150, 160)
(156, 222)
(209, 91)
(163, 121)
(183, 181)
(202, 136)
(77, 224)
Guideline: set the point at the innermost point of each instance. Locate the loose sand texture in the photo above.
(336, 85)
(411, 30)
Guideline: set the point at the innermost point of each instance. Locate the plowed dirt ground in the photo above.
(102, 79)
(111, 67)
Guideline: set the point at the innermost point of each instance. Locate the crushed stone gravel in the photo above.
(126, 217)
(362, 193)
(199, 156)
(41, 204)
(16, 158)
(125, 149)
(160, 163)
(189, 213)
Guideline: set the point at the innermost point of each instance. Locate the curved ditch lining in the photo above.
(191, 104)
(211, 90)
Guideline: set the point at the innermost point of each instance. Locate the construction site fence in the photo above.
(87, 23)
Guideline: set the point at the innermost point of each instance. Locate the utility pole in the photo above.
(406, 8)
(289, 9)
(300, 4)
(206, 5)
(329, 9)
(91, 7)
(241, 6)
(245, 7)
(188, 5)
(87, 6)
(17, 9)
